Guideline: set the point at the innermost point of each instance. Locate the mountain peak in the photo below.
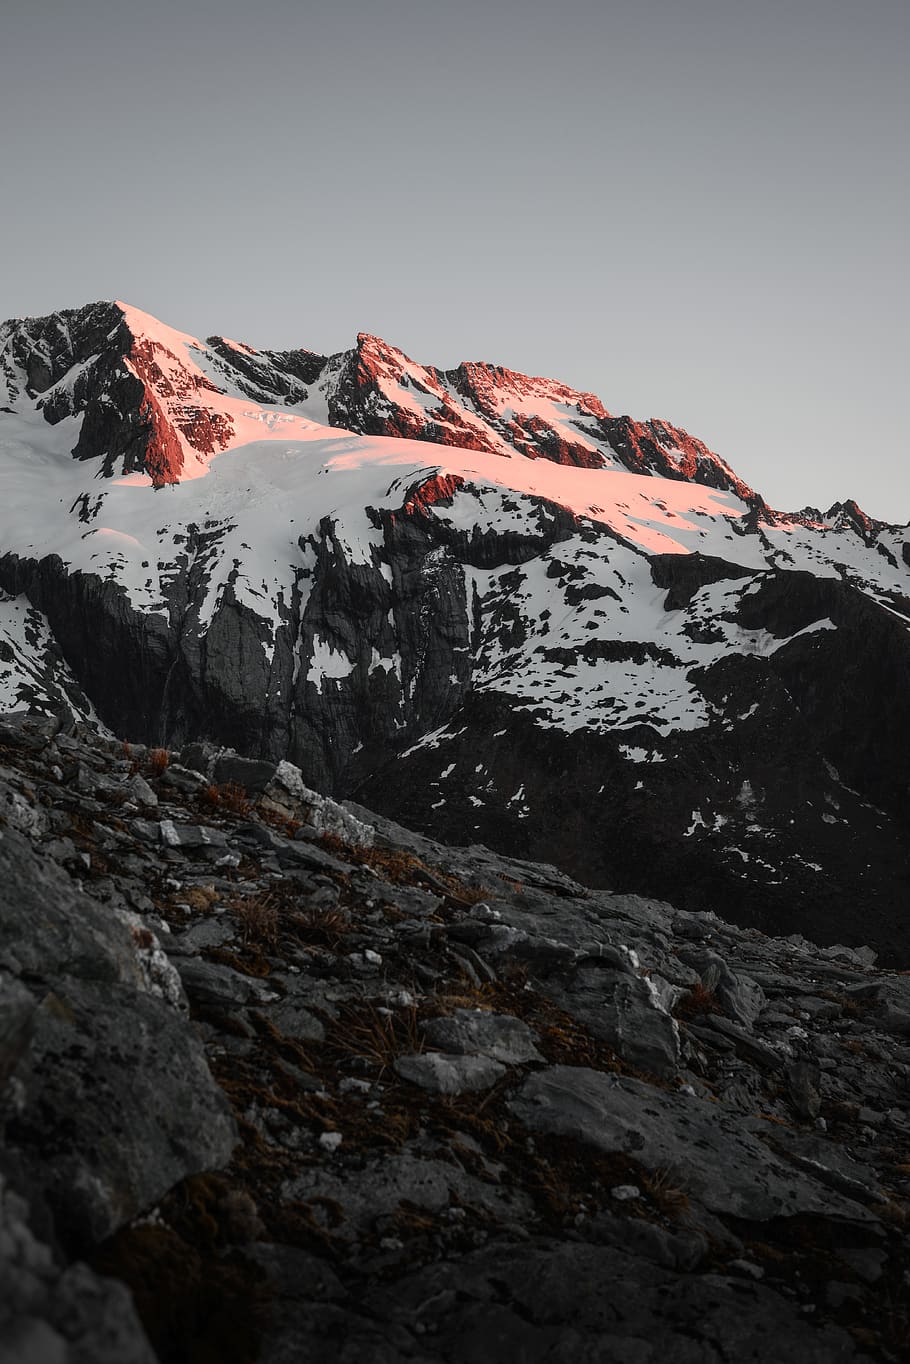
(157, 401)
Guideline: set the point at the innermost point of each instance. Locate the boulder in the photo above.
(475, 1032)
(118, 1105)
(443, 1074)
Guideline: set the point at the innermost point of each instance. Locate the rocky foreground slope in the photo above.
(283, 1081)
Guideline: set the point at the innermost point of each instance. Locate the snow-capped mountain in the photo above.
(476, 600)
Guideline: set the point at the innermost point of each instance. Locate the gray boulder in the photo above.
(252, 774)
(48, 928)
(443, 1074)
(624, 1011)
(475, 1032)
(118, 1106)
(743, 999)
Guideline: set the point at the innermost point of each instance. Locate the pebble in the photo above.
(625, 1193)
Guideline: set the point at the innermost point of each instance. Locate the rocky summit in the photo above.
(282, 1081)
(453, 873)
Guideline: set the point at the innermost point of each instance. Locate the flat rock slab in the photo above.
(450, 1074)
(292, 1020)
(208, 982)
(379, 1188)
(712, 1152)
(546, 1302)
(191, 835)
(302, 852)
(475, 1032)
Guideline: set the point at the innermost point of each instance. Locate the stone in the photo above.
(191, 835)
(479, 1033)
(817, 1008)
(421, 1176)
(378, 1187)
(802, 1084)
(292, 1020)
(60, 849)
(17, 1016)
(48, 928)
(19, 813)
(182, 779)
(742, 998)
(683, 1248)
(118, 1106)
(159, 977)
(302, 853)
(205, 933)
(622, 1010)
(50, 1312)
(208, 982)
(138, 790)
(288, 793)
(295, 1273)
(745, 1044)
(252, 774)
(199, 757)
(454, 1074)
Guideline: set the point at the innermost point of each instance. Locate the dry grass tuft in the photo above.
(199, 898)
(697, 1002)
(157, 760)
(326, 927)
(229, 795)
(377, 1037)
(663, 1188)
(400, 867)
(258, 919)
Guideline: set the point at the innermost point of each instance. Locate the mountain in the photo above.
(475, 601)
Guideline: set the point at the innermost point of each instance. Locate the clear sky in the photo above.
(695, 208)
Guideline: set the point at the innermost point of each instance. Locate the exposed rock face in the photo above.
(788, 807)
(378, 389)
(482, 1113)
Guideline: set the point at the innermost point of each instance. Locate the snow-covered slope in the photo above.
(357, 560)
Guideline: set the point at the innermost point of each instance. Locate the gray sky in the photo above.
(695, 208)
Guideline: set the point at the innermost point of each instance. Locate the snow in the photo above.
(328, 663)
(178, 355)
(389, 665)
